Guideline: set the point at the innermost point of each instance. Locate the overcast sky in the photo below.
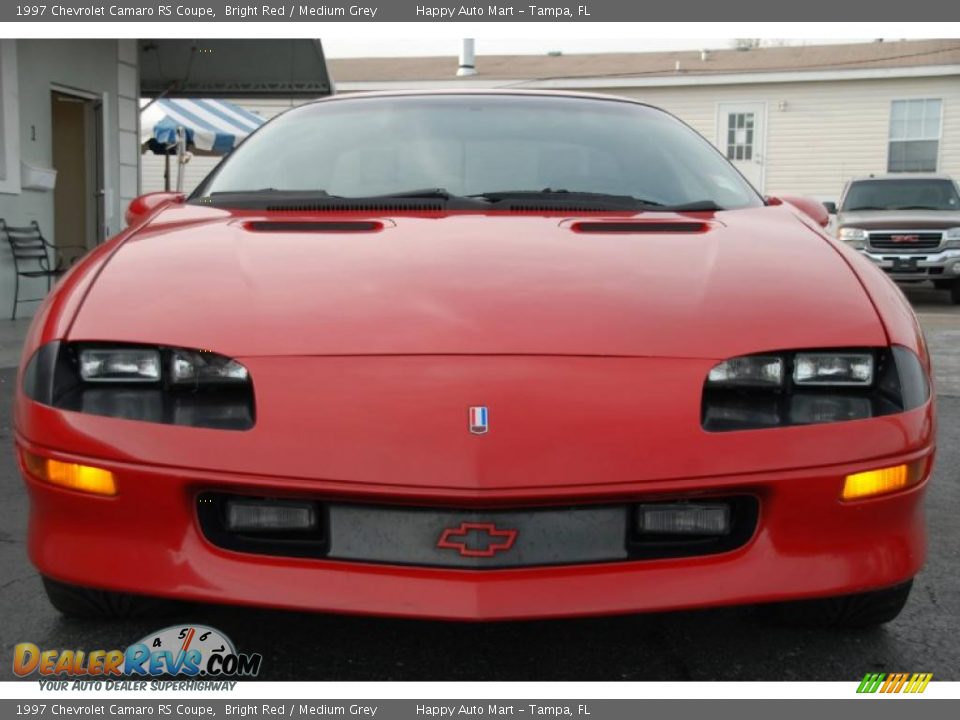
(357, 46)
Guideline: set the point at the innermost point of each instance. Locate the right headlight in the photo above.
(176, 386)
(855, 237)
(806, 387)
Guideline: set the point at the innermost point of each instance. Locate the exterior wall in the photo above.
(151, 175)
(826, 133)
(103, 68)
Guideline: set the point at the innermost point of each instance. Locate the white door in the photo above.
(741, 136)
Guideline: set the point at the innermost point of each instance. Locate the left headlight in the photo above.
(176, 386)
(806, 387)
(951, 237)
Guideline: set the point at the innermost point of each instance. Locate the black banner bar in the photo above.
(442, 11)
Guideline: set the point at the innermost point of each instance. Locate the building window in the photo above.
(740, 136)
(914, 135)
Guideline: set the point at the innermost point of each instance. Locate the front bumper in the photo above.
(807, 543)
(940, 265)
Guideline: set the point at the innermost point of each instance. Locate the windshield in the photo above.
(482, 144)
(906, 194)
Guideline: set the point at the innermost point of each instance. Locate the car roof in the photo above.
(517, 92)
(902, 176)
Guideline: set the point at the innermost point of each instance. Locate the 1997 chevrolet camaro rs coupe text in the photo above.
(476, 356)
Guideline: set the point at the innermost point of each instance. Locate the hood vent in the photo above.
(319, 226)
(640, 227)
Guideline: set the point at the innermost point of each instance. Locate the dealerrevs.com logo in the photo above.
(180, 650)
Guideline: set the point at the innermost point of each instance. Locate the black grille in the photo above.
(905, 241)
(464, 537)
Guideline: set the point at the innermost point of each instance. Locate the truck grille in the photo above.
(905, 240)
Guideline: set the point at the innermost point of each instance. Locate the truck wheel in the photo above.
(955, 292)
(943, 284)
(863, 610)
(84, 602)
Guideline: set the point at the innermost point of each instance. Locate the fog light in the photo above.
(882, 480)
(683, 519)
(83, 478)
(270, 515)
(956, 268)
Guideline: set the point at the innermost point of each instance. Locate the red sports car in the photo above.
(476, 356)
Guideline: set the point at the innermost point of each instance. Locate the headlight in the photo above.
(856, 237)
(751, 370)
(193, 368)
(951, 237)
(120, 365)
(175, 386)
(806, 387)
(833, 369)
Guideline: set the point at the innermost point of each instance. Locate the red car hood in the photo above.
(474, 284)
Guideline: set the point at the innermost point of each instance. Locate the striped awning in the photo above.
(212, 126)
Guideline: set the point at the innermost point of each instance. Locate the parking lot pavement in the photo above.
(941, 325)
(724, 644)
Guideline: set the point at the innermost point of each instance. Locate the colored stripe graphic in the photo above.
(894, 683)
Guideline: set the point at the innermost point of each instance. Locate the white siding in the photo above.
(151, 166)
(826, 133)
(99, 68)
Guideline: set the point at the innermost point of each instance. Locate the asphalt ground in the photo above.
(721, 644)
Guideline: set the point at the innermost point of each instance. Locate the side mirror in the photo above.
(810, 207)
(831, 207)
(145, 205)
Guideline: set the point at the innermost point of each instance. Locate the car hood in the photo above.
(753, 280)
(899, 219)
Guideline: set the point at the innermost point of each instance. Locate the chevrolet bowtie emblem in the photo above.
(477, 539)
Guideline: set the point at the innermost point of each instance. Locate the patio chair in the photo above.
(31, 258)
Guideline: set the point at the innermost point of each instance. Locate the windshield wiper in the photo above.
(611, 199)
(916, 207)
(421, 194)
(550, 194)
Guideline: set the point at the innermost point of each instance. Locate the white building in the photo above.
(798, 120)
(68, 106)
(69, 124)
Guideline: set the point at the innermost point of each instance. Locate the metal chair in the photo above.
(29, 247)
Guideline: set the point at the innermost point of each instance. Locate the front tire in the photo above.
(862, 610)
(83, 602)
(943, 284)
(955, 292)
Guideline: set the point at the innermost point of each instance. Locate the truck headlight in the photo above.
(951, 238)
(855, 237)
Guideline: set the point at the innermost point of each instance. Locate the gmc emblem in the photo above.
(905, 238)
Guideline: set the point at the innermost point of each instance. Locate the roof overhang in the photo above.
(230, 68)
(674, 80)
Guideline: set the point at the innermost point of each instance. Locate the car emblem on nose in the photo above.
(477, 539)
(478, 420)
(905, 238)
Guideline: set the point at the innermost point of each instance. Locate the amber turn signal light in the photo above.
(881, 481)
(83, 478)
